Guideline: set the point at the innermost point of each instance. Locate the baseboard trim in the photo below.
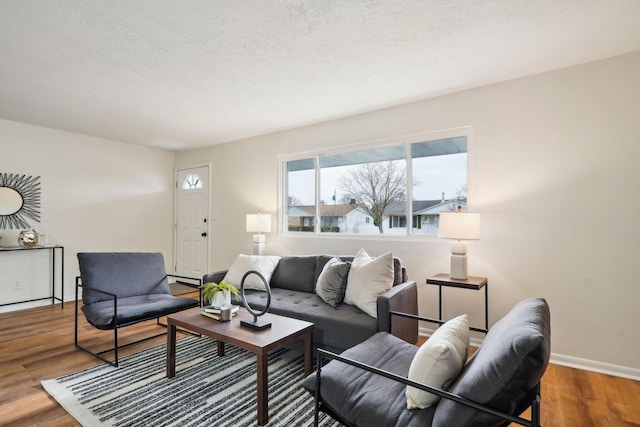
(571, 361)
(595, 366)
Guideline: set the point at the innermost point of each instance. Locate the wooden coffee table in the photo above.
(283, 330)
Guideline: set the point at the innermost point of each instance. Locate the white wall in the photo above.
(97, 195)
(553, 173)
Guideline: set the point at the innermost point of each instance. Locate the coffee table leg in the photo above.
(308, 352)
(220, 348)
(171, 350)
(263, 390)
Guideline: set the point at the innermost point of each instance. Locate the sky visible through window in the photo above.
(432, 176)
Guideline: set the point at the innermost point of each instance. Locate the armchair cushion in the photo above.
(386, 403)
(506, 367)
(134, 309)
(124, 274)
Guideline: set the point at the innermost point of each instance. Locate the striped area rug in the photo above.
(206, 391)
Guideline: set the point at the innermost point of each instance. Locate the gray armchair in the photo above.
(365, 385)
(122, 289)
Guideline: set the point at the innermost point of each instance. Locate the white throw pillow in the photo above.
(264, 265)
(367, 279)
(439, 361)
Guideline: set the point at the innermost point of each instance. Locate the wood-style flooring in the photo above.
(37, 344)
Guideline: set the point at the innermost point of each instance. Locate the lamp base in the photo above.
(256, 324)
(459, 267)
(258, 244)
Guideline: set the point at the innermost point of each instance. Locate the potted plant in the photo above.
(219, 294)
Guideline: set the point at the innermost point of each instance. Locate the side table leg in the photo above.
(262, 389)
(171, 350)
(439, 302)
(486, 306)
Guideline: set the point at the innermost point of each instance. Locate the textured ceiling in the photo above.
(181, 74)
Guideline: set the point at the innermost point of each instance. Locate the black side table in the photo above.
(471, 282)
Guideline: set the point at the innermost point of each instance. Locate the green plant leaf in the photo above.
(208, 289)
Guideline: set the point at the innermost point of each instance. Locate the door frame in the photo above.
(175, 213)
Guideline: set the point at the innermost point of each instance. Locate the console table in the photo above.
(53, 249)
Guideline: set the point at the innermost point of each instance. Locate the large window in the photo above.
(377, 190)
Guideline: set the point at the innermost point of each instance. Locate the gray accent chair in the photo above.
(122, 289)
(366, 384)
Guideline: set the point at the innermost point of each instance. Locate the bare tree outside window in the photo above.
(374, 186)
(461, 192)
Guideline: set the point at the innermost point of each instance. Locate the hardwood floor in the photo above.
(37, 344)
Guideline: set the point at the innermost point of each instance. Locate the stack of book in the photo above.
(214, 313)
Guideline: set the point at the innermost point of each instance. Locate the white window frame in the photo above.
(463, 131)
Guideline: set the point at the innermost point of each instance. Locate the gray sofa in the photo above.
(336, 329)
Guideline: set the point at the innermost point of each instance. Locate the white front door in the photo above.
(192, 222)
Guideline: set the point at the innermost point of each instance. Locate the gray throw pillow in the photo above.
(332, 282)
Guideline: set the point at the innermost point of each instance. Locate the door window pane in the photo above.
(191, 182)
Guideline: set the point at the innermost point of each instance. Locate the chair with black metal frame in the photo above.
(120, 289)
(366, 384)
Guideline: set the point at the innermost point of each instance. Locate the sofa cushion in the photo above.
(368, 278)
(386, 402)
(125, 274)
(265, 265)
(297, 273)
(332, 282)
(439, 361)
(339, 328)
(506, 367)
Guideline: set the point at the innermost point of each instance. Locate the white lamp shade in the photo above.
(258, 223)
(460, 225)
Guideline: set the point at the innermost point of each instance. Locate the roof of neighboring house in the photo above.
(420, 206)
(327, 210)
(400, 207)
(445, 205)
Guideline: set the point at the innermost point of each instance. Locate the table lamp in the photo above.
(258, 223)
(459, 226)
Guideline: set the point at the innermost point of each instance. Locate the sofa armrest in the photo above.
(215, 277)
(403, 298)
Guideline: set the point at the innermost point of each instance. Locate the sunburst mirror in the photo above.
(19, 200)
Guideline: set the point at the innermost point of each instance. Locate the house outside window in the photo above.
(377, 189)
(396, 221)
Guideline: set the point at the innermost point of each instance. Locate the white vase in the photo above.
(221, 298)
